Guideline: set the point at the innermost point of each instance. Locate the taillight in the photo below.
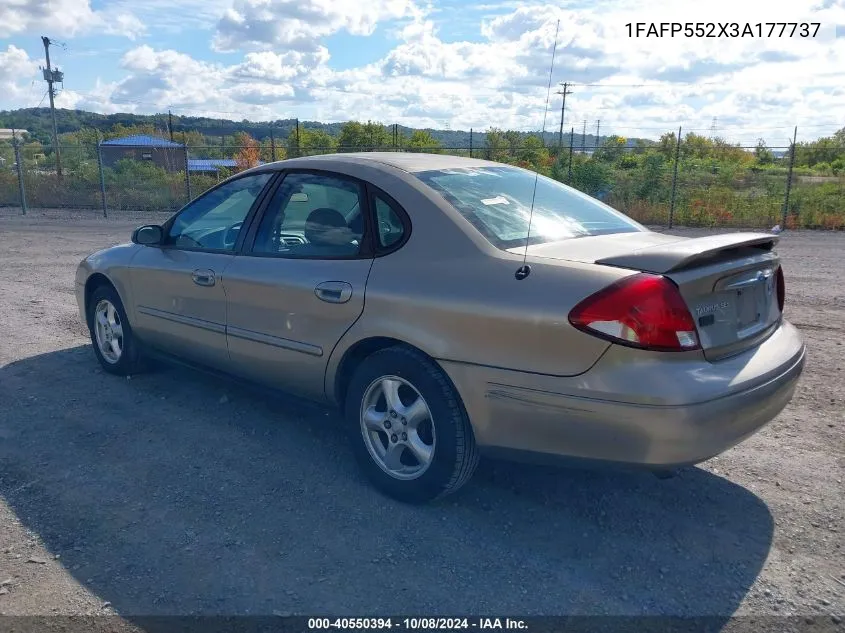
(781, 289)
(645, 311)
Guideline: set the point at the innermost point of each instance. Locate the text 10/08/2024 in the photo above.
(723, 29)
(417, 623)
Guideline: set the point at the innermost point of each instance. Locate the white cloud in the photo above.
(298, 24)
(69, 17)
(14, 64)
(273, 68)
(755, 87)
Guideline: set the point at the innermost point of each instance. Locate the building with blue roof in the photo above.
(167, 154)
(212, 165)
(140, 140)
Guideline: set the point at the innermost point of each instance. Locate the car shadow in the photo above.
(177, 493)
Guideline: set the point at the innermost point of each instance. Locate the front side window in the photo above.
(313, 215)
(213, 220)
(497, 201)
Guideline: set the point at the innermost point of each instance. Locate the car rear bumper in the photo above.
(657, 413)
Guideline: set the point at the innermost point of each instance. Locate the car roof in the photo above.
(411, 162)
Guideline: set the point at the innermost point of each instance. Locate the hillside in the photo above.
(38, 122)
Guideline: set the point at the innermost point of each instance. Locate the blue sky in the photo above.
(437, 63)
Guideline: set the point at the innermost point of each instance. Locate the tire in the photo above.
(452, 454)
(129, 360)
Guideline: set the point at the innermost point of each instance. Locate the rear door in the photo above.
(178, 300)
(300, 284)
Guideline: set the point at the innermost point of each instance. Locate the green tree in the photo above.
(763, 154)
(666, 144)
(560, 168)
(191, 138)
(514, 140)
(356, 137)
(696, 146)
(640, 146)
(591, 176)
(377, 136)
(119, 131)
(533, 151)
(352, 137)
(497, 145)
(311, 142)
(423, 141)
(652, 178)
(612, 149)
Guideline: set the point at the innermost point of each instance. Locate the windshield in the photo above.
(497, 201)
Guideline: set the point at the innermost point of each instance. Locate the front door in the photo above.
(299, 286)
(179, 304)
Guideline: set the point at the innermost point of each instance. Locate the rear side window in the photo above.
(497, 201)
(390, 227)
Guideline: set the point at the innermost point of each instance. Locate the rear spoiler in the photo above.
(685, 252)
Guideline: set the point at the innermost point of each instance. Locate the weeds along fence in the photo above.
(665, 186)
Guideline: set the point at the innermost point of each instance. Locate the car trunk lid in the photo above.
(728, 281)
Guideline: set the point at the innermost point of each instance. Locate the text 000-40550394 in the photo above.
(723, 29)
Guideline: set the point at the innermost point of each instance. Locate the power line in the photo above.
(42, 100)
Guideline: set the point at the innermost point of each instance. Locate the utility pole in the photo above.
(51, 76)
(584, 138)
(170, 124)
(675, 178)
(789, 177)
(272, 143)
(571, 137)
(598, 127)
(563, 92)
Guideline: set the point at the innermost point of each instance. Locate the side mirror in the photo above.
(148, 235)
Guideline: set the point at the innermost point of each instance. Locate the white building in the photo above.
(7, 133)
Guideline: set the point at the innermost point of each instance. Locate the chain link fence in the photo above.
(677, 185)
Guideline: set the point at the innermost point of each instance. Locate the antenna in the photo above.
(523, 271)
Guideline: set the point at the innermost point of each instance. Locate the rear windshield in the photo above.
(497, 201)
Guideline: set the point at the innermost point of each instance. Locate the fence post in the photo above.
(298, 146)
(470, 142)
(187, 175)
(272, 144)
(789, 178)
(569, 175)
(21, 187)
(102, 175)
(675, 178)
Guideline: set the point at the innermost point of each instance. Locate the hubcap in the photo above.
(397, 427)
(108, 330)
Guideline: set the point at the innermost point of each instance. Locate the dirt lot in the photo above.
(176, 493)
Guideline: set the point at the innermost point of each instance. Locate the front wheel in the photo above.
(411, 434)
(111, 335)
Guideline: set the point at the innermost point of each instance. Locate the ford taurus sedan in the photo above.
(408, 290)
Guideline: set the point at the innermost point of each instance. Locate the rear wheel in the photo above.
(411, 434)
(111, 335)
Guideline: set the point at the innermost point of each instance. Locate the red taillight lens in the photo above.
(645, 311)
(781, 282)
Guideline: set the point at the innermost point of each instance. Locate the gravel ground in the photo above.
(177, 493)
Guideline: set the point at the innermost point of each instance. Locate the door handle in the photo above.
(203, 277)
(334, 291)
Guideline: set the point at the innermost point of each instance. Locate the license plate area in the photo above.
(753, 305)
